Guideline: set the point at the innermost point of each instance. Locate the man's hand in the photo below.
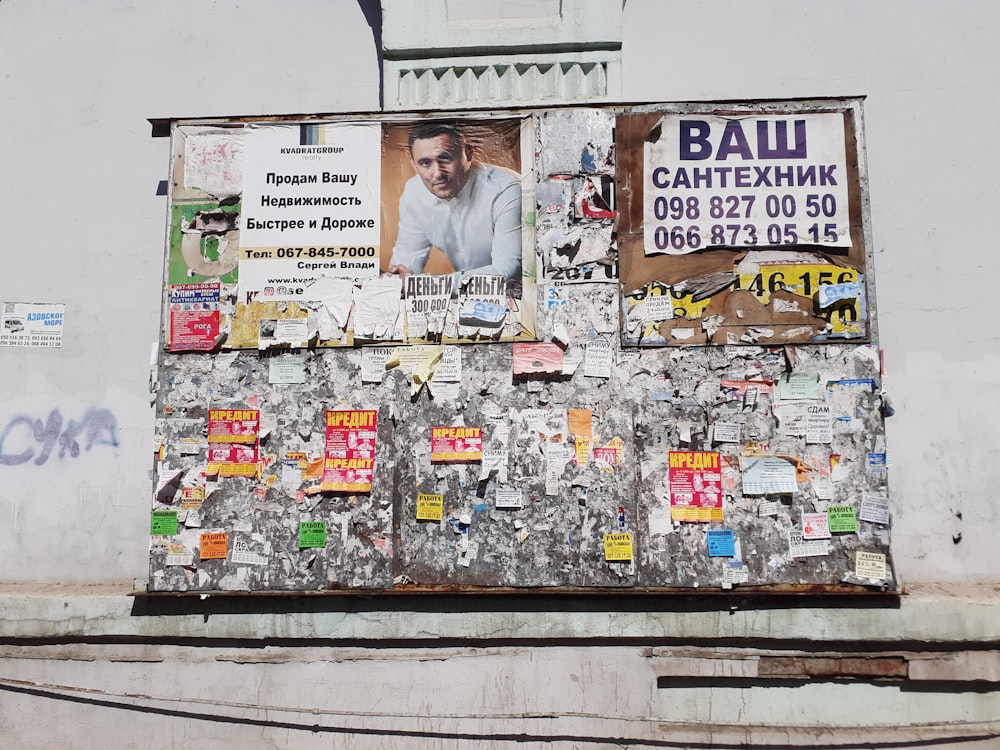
(399, 269)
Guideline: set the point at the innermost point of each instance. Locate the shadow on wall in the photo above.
(540, 601)
(372, 10)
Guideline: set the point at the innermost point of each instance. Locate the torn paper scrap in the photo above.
(426, 302)
(377, 307)
(537, 359)
(334, 298)
(213, 163)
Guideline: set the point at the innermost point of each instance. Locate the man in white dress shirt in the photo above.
(469, 210)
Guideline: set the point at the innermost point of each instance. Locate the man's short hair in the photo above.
(432, 130)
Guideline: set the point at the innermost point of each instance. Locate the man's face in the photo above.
(442, 163)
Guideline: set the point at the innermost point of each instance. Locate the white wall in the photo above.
(81, 223)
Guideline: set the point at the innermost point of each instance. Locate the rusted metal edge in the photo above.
(740, 592)
(161, 125)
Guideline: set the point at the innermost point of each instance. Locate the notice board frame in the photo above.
(625, 237)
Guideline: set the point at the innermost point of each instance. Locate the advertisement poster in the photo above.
(194, 317)
(232, 442)
(204, 239)
(452, 198)
(742, 225)
(430, 507)
(456, 444)
(768, 475)
(721, 543)
(32, 324)
(618, 547)
(312, 534)
(287, 211)
(349, 456)
(452, 207)
(310, 206)
(212, 546)
(746, 181)
(695, 486)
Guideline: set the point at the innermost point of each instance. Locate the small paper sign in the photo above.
(726, 432)
(430, 507)
(618, 547)
(875, 508)
(242, 554)
(768, 508)
(869, 565)
(163, 523)
(798, 386)
(597, 362)
(721, 543)
(287, 370)
(213, 546)
(178, 554)
(815, 526)
(312, 534)
(509, 498)
(456, 444)
(192, 497)
(843, 519)
(734, 572)
(800, 547)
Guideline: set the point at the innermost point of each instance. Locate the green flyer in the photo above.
(843, 519)
(164, 523)
(312, 534)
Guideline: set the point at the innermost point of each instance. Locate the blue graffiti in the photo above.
(96, 427)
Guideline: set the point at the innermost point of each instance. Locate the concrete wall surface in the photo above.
(530, 696)
(83, 664)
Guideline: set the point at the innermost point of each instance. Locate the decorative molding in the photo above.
(431, 59)
(451, 83)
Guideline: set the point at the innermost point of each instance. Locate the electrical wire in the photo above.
(976, 731)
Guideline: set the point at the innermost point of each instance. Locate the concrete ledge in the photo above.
(927, 614)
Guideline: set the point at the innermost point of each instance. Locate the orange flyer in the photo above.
(213, 545)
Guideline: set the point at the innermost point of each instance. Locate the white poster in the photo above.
(32, 324)
(753, 180)
(311, 206)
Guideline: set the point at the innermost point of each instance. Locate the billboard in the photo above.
(365, 231)
(742, 225)
(731, 224)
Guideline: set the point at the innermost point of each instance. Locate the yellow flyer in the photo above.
(430, 507)
(618, 547)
